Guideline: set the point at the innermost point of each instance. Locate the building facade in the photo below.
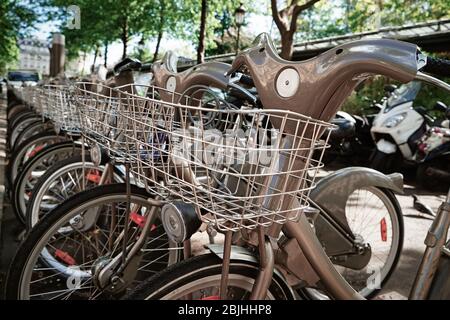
(35, 55)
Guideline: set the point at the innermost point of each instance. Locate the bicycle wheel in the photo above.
(62, 256)
(22, 117)
(61, 181)
(375, 218)
(28, 149)
(20, 127)
(16, 109)
(31, 130)
(33, 169)
(198, 278)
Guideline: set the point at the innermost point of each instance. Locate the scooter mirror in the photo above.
(440, 106)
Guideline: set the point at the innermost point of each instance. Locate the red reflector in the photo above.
(383, 229)
(65, 257)
(153, 227)
(138, 219)
(94, 177)
(35, 150)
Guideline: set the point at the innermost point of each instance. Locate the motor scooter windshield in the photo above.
(403, 94)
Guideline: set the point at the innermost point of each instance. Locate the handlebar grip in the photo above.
(132, 66)
(247, 80)
(146, 67)
(127, 64)
(437, 67)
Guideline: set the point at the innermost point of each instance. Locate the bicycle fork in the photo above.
(266, 266)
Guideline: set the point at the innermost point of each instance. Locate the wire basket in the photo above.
(101, 108)
(57, 104)
(250, 168)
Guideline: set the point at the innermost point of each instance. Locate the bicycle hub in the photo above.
(180, 221)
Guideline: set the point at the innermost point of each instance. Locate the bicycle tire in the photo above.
(23, 176)
(197, 270)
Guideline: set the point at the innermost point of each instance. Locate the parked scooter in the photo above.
(397, 129)
(350, 139)
(433, 156)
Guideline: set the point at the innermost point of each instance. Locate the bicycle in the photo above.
(279, 237)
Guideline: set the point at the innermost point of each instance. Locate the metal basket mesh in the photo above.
(246, 168)
(57, 104)
(100, 108)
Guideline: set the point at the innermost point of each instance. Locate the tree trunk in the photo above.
(287, 45)
(84, 62)
(201, 37)
(106, 55)
(161, 31)
(95, 59)
(286, 22)
(124, 37)
(158, 42)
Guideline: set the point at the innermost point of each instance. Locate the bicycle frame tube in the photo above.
(334, 283)
(301, 230)
(303, 233)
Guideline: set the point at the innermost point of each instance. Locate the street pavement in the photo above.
(416, 227)
(3, 151)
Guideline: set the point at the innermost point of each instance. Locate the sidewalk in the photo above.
(3, 162)
(9, 226)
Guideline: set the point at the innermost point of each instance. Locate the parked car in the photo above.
(19, 78)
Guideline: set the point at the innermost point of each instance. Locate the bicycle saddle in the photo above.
(317, 87)
(344, 129)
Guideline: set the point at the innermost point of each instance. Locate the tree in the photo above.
(17, 19)
(286, 22)
(367, 15)
(105, 21)
(161, 25)
(202, 33)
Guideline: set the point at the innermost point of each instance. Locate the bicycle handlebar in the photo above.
(317, 87)
(437, 67)
(127, 64)
(146, 67)
(247, 80)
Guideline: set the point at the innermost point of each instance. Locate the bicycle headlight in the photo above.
(394, 120)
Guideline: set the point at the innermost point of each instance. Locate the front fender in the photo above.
(332, 192)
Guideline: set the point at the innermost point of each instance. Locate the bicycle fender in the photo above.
(243, 254)
(332, 192)
(237, 252)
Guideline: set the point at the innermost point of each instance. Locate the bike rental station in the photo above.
(242, 176)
